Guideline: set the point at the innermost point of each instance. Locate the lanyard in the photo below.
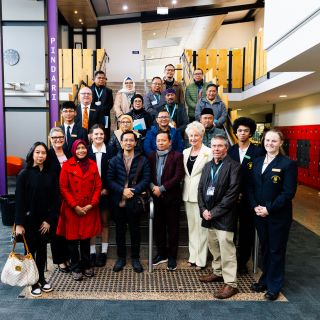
(172, 114)
(98, 95)
(157, 97)
(214, 177)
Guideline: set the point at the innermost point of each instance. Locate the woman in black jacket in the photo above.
(98, 153)
(37, 208)
(271, 190)
(58, 156)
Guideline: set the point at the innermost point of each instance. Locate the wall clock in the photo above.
(11, 57)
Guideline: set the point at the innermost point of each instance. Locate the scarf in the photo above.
(83, 163)
(125, 90)
(161, 161)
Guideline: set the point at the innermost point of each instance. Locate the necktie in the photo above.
(85, 118)
(69, 140)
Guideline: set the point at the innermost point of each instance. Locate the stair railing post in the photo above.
(151, 216)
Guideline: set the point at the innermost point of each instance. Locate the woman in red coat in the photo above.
(79, 220)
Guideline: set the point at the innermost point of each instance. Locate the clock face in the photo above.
(11, 57)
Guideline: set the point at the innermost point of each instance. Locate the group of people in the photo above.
(68, 194)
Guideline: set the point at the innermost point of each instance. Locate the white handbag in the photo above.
(20, 270)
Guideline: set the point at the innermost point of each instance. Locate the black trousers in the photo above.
(273, 236)
(37, 244)
(123, 217)
(246, 232)
(166, 225)
(59, 247)
(79, 260)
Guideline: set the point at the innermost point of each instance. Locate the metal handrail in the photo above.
(151, 216)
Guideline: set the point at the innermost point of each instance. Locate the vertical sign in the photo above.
(3, 177)
(53, 62)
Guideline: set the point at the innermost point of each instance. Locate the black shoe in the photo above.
(271, 296)
(159, 259)
(258, 287)
(172, 264)
(45, 286)
(66, 269)
(93, 260)
(101, 260)
(119, 265)
(137, 267)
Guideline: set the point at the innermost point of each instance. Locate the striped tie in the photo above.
(85, 118)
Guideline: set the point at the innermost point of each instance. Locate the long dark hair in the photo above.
(29, 158)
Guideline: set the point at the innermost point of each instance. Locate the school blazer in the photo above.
(191, 182)
(275, 188)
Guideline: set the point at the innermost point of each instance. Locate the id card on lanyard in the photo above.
(98, 103)
(211, 189)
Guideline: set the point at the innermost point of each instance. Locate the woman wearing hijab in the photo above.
(79, 220)
(114, 145)
(142, 120)
(122, 102)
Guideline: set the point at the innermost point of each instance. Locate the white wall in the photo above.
(119, 42)
(303, 111)
(23, 10)
(282, 16)
(233, 36)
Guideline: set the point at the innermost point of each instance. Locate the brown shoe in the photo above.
(210, 277)
(225, 292)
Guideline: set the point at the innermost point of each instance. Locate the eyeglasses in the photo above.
(157, 83)
(197, 74)
(163, 117)
(100, 78)
(125, 122)
(172, 70)
(57, 138)
(86, 93)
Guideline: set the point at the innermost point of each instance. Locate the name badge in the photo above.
(98, 103)
(73, 135)
(154, 102)
(276, 170)
(92, 109)
(247, 157)
(210, 191)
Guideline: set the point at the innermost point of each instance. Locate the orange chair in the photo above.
(14, 165)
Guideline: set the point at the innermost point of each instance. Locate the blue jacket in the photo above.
(117, 176)
(150, 140)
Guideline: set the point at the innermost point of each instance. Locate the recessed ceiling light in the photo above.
(80, 20)
(239, 109)
(174, 2)
(283, 96)
(75, 12)
(154, 33)
(124, 7)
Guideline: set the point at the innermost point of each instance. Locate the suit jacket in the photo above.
(104, 165)
(172, 175)
(77, 133)
(252, 153)
(95, 116)
(275, 187)
(106, 99)
(222, 203)
(191, 181)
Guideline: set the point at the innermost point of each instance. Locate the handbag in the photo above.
(20, 270)
(139, 203)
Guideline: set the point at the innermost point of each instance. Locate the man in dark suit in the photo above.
(71, 130)
(245, 152)
(88, 113)
(167, 172)
(102, 98)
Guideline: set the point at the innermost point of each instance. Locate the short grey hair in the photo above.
(56, 129)
(221, 137)
(195, 126)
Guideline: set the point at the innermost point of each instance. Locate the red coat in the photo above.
(78, 189)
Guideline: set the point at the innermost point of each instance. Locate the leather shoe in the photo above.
(66, 269)
(119, 265)
(210, 277)
(225, 292)
(258, 287)
(101, 260)
(271, 296)
(137, 267)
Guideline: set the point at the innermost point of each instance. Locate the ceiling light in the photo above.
(75, 12)
(80, 20)
(124, 7)
(283, 96)
(154, 33)
(239, 109)
(174, 2)
(162, 10)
